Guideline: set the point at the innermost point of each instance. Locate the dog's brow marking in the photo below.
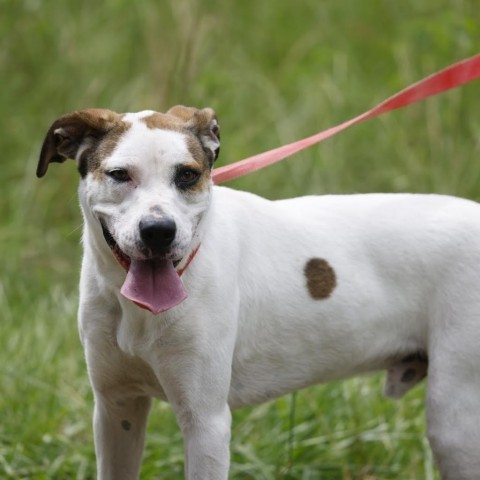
(195, 148)
(106, 147)
(321, 278)
(126, 425)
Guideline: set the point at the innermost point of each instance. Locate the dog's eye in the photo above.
(119, 174)
(186, 177)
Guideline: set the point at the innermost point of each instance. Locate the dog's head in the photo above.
(145, 177)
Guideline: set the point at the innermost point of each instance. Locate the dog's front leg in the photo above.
(197, 387)
(207, 443)
(205, 421)
(119, 427)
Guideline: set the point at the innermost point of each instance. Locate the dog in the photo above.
(213, 299)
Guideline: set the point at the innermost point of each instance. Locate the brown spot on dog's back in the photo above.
(321, 278)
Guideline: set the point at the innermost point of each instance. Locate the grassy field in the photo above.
(274, 72)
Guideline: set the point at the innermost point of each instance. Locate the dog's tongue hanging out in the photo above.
(153, 285)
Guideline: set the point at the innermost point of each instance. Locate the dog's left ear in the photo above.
(74, 133)
(204, 124)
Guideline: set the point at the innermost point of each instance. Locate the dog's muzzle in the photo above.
(153, 284)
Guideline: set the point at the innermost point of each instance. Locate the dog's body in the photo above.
(281, 295)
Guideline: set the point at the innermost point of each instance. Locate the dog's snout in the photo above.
(157, 234)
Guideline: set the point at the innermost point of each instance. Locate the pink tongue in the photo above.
(153, 285)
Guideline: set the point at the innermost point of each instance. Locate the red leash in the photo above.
(453, 76)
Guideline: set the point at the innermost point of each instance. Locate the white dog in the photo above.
(281, 295)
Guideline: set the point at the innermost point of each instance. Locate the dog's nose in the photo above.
(157, 234)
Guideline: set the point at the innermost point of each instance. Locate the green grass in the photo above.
(275, 72)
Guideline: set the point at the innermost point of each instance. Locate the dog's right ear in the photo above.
(73, 134)
(203, 122)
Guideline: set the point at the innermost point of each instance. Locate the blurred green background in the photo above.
(274, 71)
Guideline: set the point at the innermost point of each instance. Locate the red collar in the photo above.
(189, 260)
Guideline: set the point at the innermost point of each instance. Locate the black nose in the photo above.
(157, 234)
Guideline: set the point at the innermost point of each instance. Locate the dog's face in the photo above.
(145, 176)
(145, 179)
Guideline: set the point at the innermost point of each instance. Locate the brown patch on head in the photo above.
(199, 125)
(201, 132)
(163, 121)
(321, 278)
(198, 153)
(76, 134)
(182, 112)
(90, 161)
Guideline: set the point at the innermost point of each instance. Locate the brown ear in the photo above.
(204, 124)
(74, 131)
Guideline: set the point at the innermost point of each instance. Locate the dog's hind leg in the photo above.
(453, 388)
(119, 427)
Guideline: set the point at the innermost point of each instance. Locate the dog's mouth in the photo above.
(152, 284)
(122, 258)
